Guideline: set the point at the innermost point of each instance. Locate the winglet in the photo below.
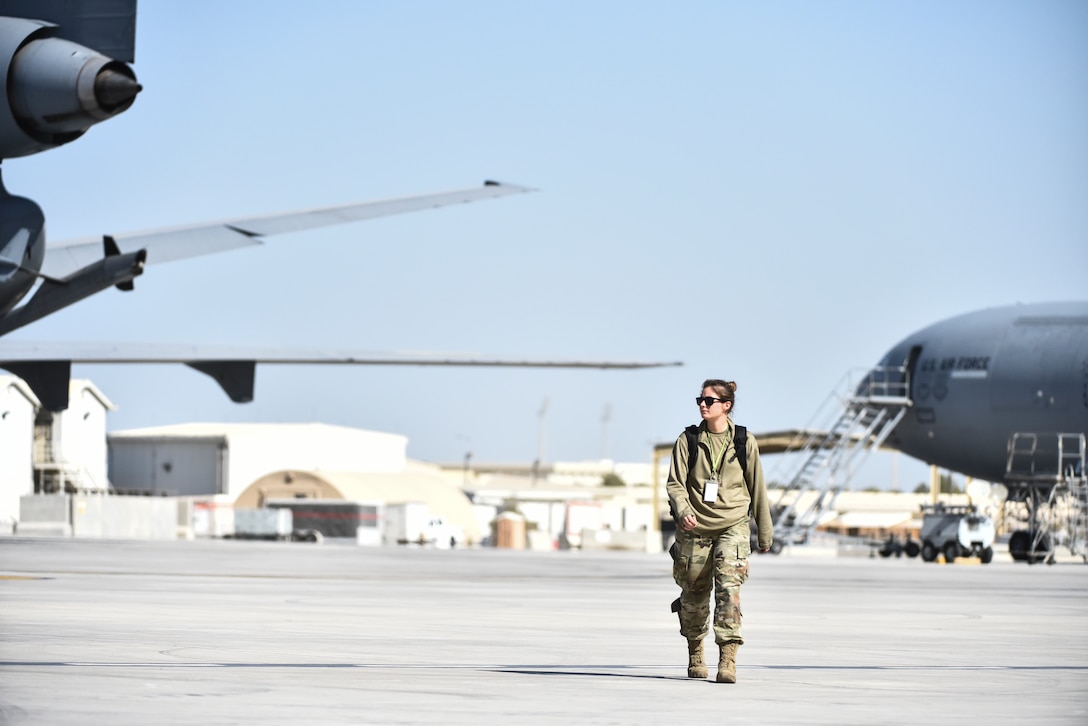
(110, 248)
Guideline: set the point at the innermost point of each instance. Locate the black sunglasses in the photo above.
(708, 400)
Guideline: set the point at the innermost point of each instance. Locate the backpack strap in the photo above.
(740, 445)
(692, 432)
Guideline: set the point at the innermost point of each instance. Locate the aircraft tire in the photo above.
(951, 551)
(987, 555)
(1020, 548)
(929, 551)
(1019, 543)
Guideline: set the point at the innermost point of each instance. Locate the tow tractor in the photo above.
(956, 531)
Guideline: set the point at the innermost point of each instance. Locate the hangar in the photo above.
(199, 459)
(417, 483)
(253, 465)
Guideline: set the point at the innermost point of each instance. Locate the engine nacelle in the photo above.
(54, 89)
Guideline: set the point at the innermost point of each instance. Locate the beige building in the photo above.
(416, 483)
(247, 466)
(223, 458)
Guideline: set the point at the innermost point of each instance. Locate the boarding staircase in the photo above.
(854, 421)
(53, 474)
(1047, 484)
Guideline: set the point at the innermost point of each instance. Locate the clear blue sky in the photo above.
(773, 193)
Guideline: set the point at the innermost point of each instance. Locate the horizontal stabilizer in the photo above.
(177, 243)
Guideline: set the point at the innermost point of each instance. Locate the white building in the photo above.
(221, 458)
(72, 447)
(48, 452)
(18, 407)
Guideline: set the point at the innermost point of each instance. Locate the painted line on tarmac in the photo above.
(23, 577)
(497, 667)
(523, 669)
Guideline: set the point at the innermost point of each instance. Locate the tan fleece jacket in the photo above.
(737, 498)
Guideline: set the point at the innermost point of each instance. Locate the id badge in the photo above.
(710, 491)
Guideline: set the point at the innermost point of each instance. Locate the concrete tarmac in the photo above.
(230, 632)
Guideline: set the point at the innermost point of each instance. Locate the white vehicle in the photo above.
(444, 536)
(956, 531)
(412, 523)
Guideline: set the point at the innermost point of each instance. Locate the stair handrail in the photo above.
(875, 402)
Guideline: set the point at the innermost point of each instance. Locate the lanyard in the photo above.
(715, 461)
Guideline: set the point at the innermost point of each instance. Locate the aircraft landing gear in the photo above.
(1021, 549)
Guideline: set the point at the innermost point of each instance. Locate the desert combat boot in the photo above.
(727, 663)
(696, 660)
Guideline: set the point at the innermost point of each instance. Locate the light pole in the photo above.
(468, 457)
(605, 418)
(541, 416)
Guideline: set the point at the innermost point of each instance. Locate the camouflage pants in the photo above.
(704, 564)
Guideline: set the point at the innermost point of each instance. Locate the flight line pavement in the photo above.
(231, 632)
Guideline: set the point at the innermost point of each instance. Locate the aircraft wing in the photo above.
(46, 366)
(175, 243)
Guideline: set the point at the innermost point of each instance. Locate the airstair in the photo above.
(52, 472)
(54, 475)
(1047, 487)
(854, 421)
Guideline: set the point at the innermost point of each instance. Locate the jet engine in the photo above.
(54, 89)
